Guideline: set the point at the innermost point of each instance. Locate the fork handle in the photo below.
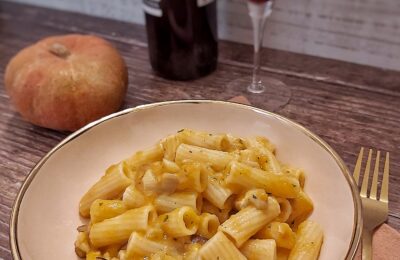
(366, 244)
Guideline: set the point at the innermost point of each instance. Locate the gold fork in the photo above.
(375, 211)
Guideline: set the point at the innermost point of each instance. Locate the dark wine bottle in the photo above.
(182, 37)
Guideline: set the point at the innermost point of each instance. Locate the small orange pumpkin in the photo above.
(65, 82)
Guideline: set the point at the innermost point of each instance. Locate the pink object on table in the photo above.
(240, 99)
(385, 244)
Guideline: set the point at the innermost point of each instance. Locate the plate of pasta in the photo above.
(188, 180)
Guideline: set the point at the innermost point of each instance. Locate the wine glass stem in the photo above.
(258, 30)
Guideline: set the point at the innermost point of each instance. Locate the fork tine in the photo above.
(385, 181)
(364, 186)
(357, 168)
(374, 184)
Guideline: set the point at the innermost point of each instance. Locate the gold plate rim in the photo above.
(357, 221)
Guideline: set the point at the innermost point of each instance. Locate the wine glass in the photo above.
(266, 92)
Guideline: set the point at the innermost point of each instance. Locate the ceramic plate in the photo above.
(45, 214)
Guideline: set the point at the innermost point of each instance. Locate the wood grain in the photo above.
(348, 105)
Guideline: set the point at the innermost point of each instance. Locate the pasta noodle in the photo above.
(133, 197)
(196, 195)
(259, 249)
(169, 145)
(138, 245)
(112, 250)
(180, 222)
(302, 207)
(286, 210)
(195, 177)
(265, 152)
(105, 209)
(166, 203)
(217, 194)
(217, 159)
(170, 166)
(255, 197)
(156, 153)
(192, 251)
(118, 229)
(242, 176)
(208, 225)
(244, 224)
(280, 232)
(204, 139)
(150, 182)
(168, 183)
(308, 242)
(108, 187)
(220, 247)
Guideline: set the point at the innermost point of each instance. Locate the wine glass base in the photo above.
(273, 97)
(256, 88)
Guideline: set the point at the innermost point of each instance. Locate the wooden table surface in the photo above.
(348, 105)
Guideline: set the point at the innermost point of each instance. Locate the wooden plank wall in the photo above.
(360, 31)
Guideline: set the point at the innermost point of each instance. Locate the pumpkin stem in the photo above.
(59, 50)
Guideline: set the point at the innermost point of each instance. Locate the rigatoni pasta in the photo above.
(248, 221)
(204, 139)
(280, 232)
(259, 249)
(194, 176)
(255, 197)
(118, 229)
(244, 177)
(208, 225)
(133, 197)
(286, 210)
(110, 186)
(199, 195)
(139, 245)
(220, 247)
(104, 209)
(168, 202)
(308, 242)
(180, 222)
(217, 194)
(217, 159)
(155, 153)
(302, 207)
